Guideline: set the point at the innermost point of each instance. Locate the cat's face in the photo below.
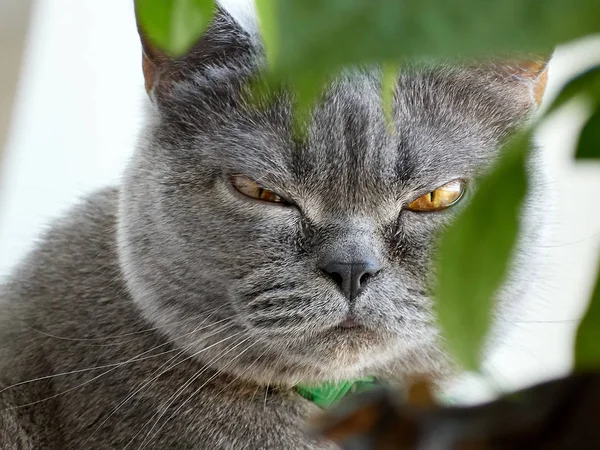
(327, 276)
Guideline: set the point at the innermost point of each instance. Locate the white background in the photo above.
(78, 111)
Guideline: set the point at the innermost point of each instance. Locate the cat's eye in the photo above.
(440, 198)
(252, 189)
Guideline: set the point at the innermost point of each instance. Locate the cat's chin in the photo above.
(339, 352)
(343, 351)
(352, 336)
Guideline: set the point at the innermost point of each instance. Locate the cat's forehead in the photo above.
(439, 120)
(444, 126)
(448, 120)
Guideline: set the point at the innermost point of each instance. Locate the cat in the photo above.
(180, 308)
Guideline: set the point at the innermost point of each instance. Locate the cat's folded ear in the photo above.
(529, 75)
(224, 41)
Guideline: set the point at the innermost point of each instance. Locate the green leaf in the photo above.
(316, 35)
(589, 140)
(267, 15)
(326, 394)
(475, 253)
(388, 89)
(587, 343)
(174, 26)
(585, 84)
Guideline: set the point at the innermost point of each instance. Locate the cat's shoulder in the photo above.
(76, 258)
(76, 242)
(72, 265)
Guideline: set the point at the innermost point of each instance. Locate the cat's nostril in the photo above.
(351, 276)
(339, 273)
(337, 278)
(365, 278)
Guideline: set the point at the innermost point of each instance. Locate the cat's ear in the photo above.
(529, 75)
(225, 40)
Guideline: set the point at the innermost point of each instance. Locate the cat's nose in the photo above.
(351, 276)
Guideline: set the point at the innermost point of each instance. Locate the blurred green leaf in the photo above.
(589, 140)
(585, 84)
(475, 253)
(587, 344)
(320, 36)
(267, 13)
(174, 26)
(388, 89)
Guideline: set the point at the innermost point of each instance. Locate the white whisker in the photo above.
(105, 366)
(246, 370)
(154, 377)
(183, 387)
(178, 393)
(198, 390)
(117, 336)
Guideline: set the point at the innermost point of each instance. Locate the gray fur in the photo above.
(206, 306)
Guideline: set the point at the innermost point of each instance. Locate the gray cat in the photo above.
(179, 309)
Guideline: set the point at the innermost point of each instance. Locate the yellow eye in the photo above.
(443, 197)
(253, 190)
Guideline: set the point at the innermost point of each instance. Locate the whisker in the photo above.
(105, 366)
(246, 370)
(178, 393)
(273, 373)
(200, 327)
(154, 377)
(133, 333)
(266, 395)
(198, 390)
(89, 369)
(540, 321)
(269, 383)
(191, 356)
(255, 392)
(567, 244)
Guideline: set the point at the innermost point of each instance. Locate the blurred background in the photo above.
(71, 103)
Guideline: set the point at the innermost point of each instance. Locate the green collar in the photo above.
(326, 394)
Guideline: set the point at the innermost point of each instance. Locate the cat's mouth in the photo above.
(350, 322)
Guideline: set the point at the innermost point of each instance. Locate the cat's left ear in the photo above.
(228, 39)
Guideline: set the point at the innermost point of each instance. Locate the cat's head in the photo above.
(283, 260)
